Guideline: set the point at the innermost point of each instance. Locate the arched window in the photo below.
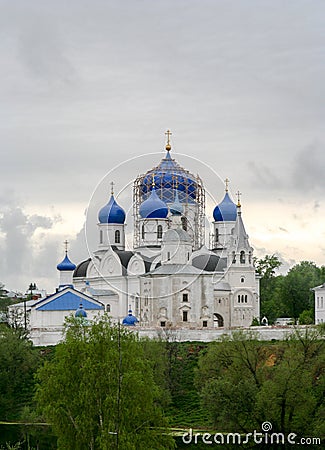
(245, 298)
(250, 257)
(184, 223)
(242, 257)
(159, 231)
(101, 236)
(108, 308)
(217, 236)
(238, 298)
(142, 231)
(117, 236)
(218, 320)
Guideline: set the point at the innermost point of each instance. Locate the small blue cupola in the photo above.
(66, 265)
(226, 211)
(112, 212)
(80, 312)
(66, 269)
(176, 208)
(153, 207)
(130, 319)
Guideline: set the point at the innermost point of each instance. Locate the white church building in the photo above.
(171, 277)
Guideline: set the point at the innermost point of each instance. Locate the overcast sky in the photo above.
(88, 85)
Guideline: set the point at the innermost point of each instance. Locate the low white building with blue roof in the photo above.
(46, 317)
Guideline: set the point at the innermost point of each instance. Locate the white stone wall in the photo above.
(268, 333)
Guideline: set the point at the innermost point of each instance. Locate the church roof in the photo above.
(130, 319)
(166, 175)
(176, 235)
(101, 292)
(66, 265)
(175, 269)
(239, 233)
(226, 211)
(222, 286)
(80, 312)
(68, 299)
(81, 269)
(209, 262)
(153, 207)
(112, 212)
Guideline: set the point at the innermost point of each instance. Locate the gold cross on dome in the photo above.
(168, 134)
(66, 246)
(238, 197)
(227, 182)
(112, 187)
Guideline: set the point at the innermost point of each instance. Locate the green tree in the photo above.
(229, 376)
(292, 394)
(266, 267)
(306, 317)
(270, 284)
(18, 363)
(296, 292)
(244, 382)
(99, 391)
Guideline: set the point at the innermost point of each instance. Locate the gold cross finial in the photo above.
(153, 180)
(168, 134)
(227, 182)
(112, 187)
(66, 246)
(238, 198)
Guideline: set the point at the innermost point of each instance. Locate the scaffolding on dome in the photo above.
(168, 176)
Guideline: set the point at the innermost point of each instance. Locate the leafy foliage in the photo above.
(18, 363)
(99, 391)
(244, 382)
(288, 295)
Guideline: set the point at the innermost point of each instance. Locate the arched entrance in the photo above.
(217, 320)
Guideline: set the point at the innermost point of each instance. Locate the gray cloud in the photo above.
(44, 57)
(309, 168)
(19, 256)
(265, 177)
(317, 205)
(88, 84)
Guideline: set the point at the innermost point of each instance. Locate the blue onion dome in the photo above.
(130, 319)
(165, 174)
(176, 208)
(153, 207)
(226, 211)
(112, 212)
(80, 312)
(66, 264)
